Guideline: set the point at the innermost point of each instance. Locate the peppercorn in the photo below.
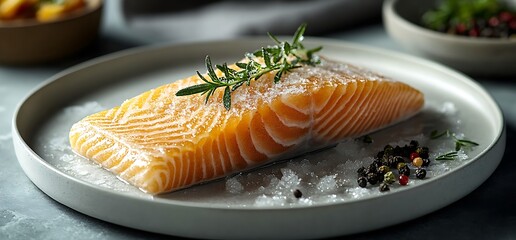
(420, 173)
(387, 160)
(362, 182)
(423, 152)
(379, 162)
(413, 155)
(414, 144)
(388, 147)
(383, 169)
(406, 151)
(389, 178)
(380, 154)
(393, 161)
(405, 170)
(361, 171)
(400, 165)
(397, 151)
(298, 193)
(394, 157)
(417, 162)
(371, 169)
(379, 177)
(372, 178)
(384, 187)
(388, 150)
(403, 180)
(375, 165)
(426, 162)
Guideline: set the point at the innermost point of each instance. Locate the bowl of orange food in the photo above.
(40, 31)
(477, 37)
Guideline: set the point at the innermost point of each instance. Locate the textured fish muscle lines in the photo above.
(160, 142)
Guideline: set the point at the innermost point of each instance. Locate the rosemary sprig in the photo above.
(281, 58)
(459, 143)
(448, 156)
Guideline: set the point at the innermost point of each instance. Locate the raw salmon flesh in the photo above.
(160, 142)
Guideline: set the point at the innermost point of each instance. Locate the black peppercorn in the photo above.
(384, 187)
(423, 152)
(374, 165)
(378, 162)
(362, 182)
(380, 177)
(298, 193)
(394, 161)
(420, 173)
(426, 162)
(361, 171)
(397, 151)
(405, 170)
(414, 144)
(372, 178)
(406, 151)
(380, 154)
(371, 169)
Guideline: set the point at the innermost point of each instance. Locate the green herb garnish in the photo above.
(474, 18)
(448, 156)
(281, 58)
(459, 143)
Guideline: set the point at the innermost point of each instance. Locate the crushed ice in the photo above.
(331, 176)
(323, 177)
(57, 151)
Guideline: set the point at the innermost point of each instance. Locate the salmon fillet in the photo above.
(160, 142)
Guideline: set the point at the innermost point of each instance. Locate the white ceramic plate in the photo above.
(42, 120)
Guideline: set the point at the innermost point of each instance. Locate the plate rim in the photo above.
(500, 135)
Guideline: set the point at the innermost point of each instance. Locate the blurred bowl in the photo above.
(28, 41)
(474, 56)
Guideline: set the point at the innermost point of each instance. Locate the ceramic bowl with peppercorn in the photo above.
(477, 37)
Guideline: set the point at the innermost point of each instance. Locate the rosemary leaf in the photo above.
(227, 98)
(274, 38)
(211, 72)
(241, 65)
(281, 58)
(298, 36)
(201, 88)
(459, 143)
(448, 156)
(457, 146)
(467, 142)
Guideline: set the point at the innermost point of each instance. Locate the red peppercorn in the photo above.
(460, 28)
(413, 155)
(473, 32)
(512, 24)
(494, 21)
(505, 16)
(403, 180)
